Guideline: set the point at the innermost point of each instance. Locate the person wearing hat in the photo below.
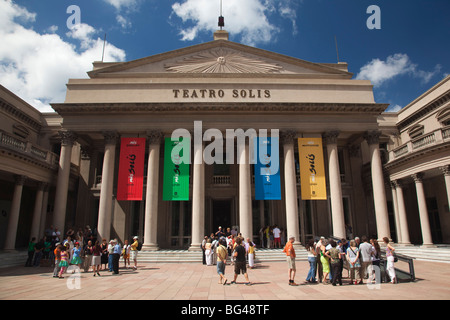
(57, 252)
(134, 251)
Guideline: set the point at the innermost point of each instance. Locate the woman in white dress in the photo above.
(209, 253)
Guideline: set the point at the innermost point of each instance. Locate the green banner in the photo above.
(176, 169)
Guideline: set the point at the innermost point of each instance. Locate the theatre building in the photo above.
(373, 173)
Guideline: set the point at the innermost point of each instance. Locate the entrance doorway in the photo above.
(221, 214)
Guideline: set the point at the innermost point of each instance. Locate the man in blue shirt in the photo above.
(116, 256)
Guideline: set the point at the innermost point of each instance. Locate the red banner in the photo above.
(130, 182)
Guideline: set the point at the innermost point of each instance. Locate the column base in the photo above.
(150, 247)
(297, 245)
(404, 245)
(427, 245)
(195, 247)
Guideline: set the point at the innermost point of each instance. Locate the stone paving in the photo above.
(190, 281)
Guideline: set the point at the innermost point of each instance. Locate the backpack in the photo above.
(139, 246)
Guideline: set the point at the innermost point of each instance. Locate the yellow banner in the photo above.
(312, 169)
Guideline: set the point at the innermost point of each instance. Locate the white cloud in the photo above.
(37, 66)
(124, 8)
(120, 4)
(250, 18)
(378, 71)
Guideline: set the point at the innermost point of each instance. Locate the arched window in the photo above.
(415, 131)
(443, 116)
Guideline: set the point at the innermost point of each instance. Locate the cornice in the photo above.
(435, 104)
(19, 115)
(65, 109)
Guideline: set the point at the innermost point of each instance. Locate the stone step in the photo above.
(186, 256)
(438, 253)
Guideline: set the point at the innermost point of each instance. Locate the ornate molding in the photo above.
(417, 177)
(82, 108)
(154, 136)
(222, 61)
(396, 184)
(445, 170)
(288, 136)
(110, 137)
(372, 137)
(67, 137)
(20, 179)
(331, 137)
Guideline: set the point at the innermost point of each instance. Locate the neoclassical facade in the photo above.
(418, 166)
(224, 86)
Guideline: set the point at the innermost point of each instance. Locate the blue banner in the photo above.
(267, 169)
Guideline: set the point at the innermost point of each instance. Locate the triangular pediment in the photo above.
(219, 57)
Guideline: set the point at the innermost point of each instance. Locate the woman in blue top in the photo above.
(76, 256)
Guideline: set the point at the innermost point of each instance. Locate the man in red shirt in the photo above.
(290, 256)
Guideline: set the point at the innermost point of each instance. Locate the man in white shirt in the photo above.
(276, 237)
(365, 249)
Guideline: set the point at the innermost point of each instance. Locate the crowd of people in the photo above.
(81, 250)
(225, 245)
(327, 258)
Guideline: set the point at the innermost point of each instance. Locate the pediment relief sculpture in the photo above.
(222, 61)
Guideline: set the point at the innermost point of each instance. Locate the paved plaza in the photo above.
(191, 281)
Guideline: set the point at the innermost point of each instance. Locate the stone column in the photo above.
(36, 221)
(62, 185)
(198, 197)
(44, 211)
(446, 171)
(290, 186)
(403, 221)
(152, 192)
(245, 193)
(337, 207)
(379, 195)
(396, 215)
(106, 191)
(423, 211)
(13, 221)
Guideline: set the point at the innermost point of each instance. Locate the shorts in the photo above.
(291, 262)
(133, 254)
(240, 266)
(220, 267)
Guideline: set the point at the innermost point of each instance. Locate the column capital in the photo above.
(288, 136)
(372, 137)
(20, 179)
(417, 177)
(41, 185)
(331, 136)
(154, 136)
(67, 137)
(110, 137)
(445, 170)
(354, 151)
(396, 184)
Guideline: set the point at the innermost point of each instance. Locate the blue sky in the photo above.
(403, 59)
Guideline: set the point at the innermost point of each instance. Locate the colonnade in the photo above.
(288, 138)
